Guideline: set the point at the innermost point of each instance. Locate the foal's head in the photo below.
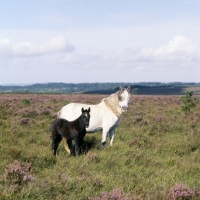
(85, 116)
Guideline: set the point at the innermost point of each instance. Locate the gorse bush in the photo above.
(188, 101)
(25, 102)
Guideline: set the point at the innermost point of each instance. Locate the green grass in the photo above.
(156, 146)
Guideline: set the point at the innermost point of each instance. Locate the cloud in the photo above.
(134, 54)
(88, 60)
(24, 49)
(179, 50)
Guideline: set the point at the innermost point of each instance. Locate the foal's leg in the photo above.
(81, 144)
(56, 138)
(69, 142)
(76, 140)
(66, 145)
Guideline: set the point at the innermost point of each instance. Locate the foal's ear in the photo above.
(89, 109)
(128, 88)
(82, 110)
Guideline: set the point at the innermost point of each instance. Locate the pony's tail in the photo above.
(58, 114)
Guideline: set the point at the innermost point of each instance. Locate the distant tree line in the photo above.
(86, 87)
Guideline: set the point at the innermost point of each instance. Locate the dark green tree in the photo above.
(135, 91)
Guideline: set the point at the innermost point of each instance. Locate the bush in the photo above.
(183, 192)
(188, 101)
(116, 194)
(25, 102)
(18, 173)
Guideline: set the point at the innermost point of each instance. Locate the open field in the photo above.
(156, 151)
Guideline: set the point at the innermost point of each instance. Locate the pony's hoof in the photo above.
(102, 145)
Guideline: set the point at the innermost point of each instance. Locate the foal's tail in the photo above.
(53, 137)
(53, 129)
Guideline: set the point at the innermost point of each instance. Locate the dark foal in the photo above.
(68, 131)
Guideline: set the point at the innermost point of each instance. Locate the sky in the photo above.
(87, 41)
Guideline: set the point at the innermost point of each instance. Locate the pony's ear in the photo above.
(128, 88)
(120, 88)
(82, 110)
(89, 109)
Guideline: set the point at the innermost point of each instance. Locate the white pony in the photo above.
(105, 115)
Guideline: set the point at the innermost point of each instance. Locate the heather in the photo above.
(155, 155)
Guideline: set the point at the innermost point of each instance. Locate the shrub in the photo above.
(92, 157)
(188, 101)
(116, 194)
(25, 102)
(18, 173)
(30, 113)
(46, 113)
(183, 192)
(160, 118)
(24, 121)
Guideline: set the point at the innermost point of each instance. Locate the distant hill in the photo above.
(143, 88)
(154, 90)
(165, 90)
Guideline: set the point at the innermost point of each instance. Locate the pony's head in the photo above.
(85, 116)
(124, 97)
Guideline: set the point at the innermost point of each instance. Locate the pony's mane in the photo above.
(112, 102)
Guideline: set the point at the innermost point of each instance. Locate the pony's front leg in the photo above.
(67, 148)
(104, 135)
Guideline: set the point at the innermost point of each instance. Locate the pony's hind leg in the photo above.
(67, 148)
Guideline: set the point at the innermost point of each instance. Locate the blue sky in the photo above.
(75, 41)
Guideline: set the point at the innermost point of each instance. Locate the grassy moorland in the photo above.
(156, 152)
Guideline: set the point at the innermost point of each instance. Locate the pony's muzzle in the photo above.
(124, 108)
